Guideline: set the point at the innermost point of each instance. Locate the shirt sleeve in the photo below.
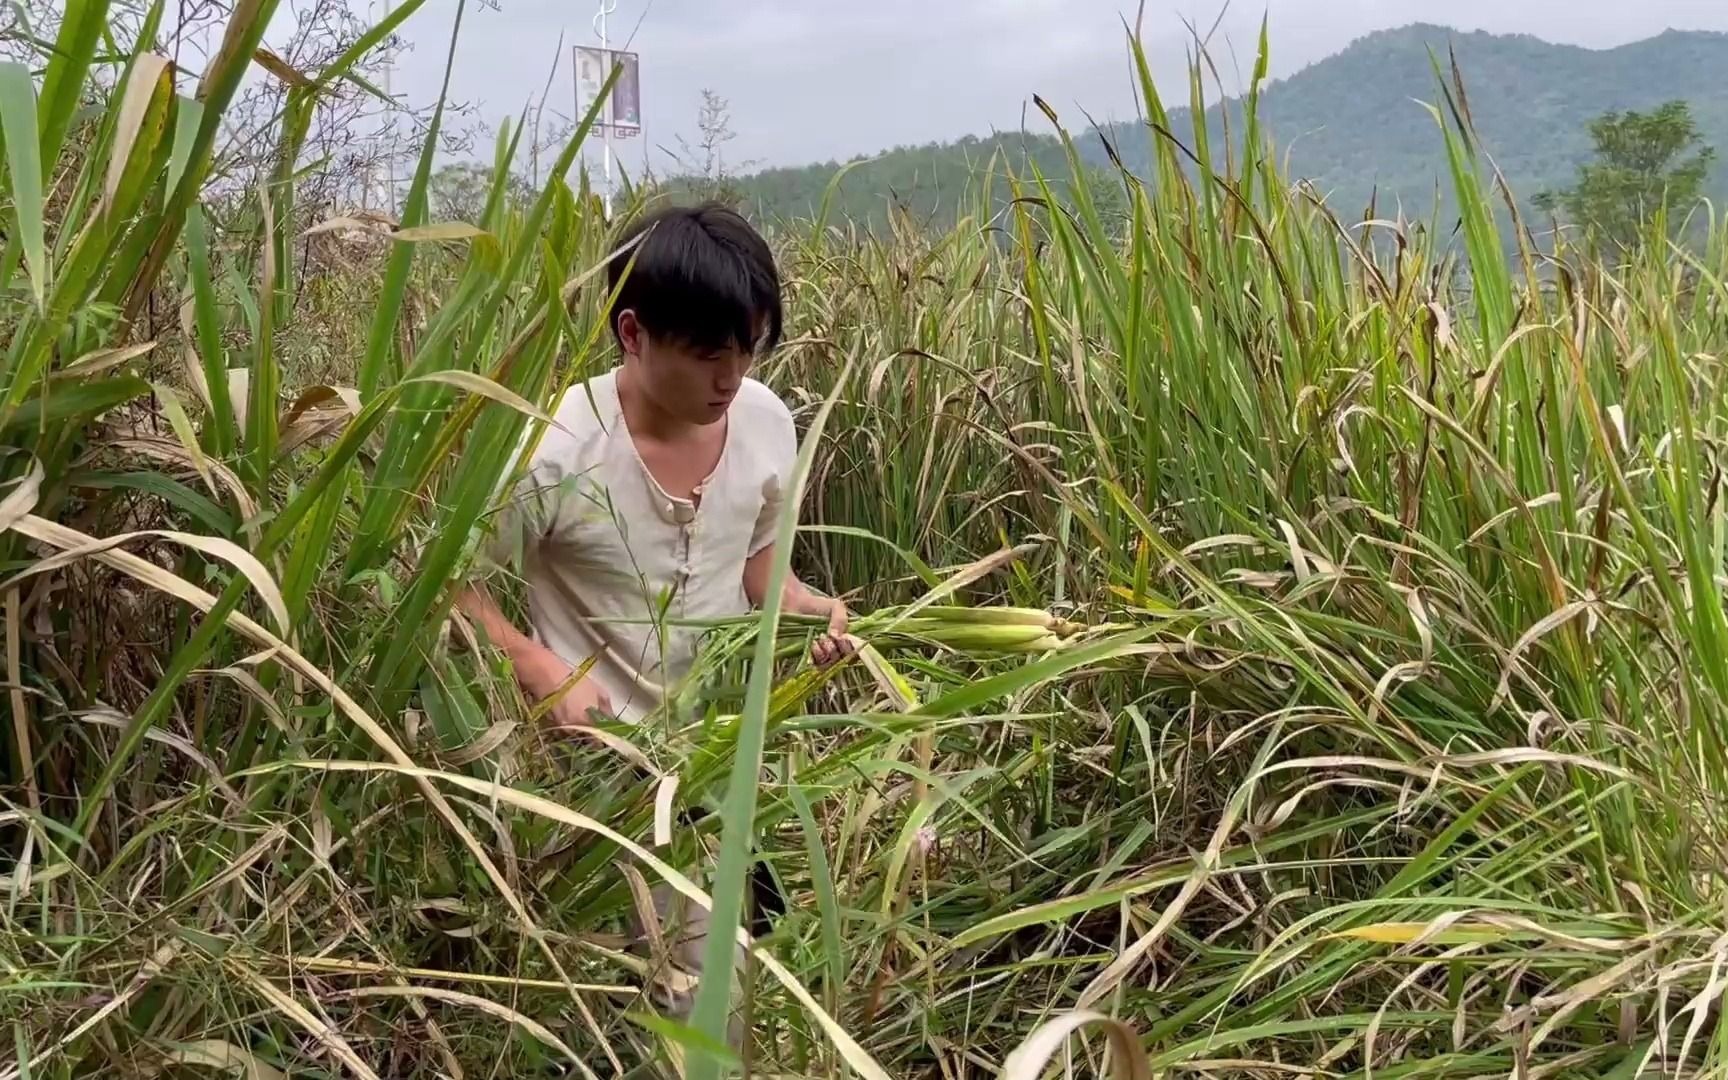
(782, 448)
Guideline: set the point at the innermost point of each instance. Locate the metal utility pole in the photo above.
(607, 7)
(381, 178)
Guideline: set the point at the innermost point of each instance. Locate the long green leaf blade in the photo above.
(24, 168)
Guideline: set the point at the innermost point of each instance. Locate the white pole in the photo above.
(381, 173)
(607, 7)
(390, 150)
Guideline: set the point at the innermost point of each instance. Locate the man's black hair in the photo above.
(701, 277)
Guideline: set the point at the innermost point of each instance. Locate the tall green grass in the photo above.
(1392, 745)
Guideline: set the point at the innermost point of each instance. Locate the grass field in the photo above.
(1384, 734)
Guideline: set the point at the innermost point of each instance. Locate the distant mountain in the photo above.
(1351, 123)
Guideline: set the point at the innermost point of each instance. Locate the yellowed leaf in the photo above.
(344, 221)
(1403, 933)
(92, 363)
(899, 692)
(441, 230)
(181, 425)
(280, 68)
(149, 72)
(487, 388)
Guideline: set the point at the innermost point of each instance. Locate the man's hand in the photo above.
(796, 598)
(542, 675)
(836, 644)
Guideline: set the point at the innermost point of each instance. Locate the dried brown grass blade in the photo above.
(22, 498)
(855, 1055)
(111, 719)
(472, 1001)
(337, 966)
(664, 793)
(302, 1017)
(282, 69)
(227, 482)
(255, 689)
(61, 536)
(1029, 1060)
(20, 709)
(147, 973)
(90, 547)
(226, 1057)
(1542, 628)
(343, 221)
(490, 739)
(318, 411)
(94, 363)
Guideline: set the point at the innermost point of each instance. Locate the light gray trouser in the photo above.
(684, 930)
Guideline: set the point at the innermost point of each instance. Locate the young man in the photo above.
(659, 499)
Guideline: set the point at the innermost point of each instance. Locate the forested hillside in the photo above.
(1353, 124)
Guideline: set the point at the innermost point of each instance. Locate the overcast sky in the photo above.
(811, 80)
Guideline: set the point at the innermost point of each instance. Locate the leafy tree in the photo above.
(459, 192)
(1644, 161)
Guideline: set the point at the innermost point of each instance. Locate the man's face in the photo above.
(692, 384)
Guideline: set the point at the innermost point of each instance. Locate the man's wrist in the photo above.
(803, 600)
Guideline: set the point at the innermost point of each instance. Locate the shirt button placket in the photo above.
(685, 534)
(686, 571)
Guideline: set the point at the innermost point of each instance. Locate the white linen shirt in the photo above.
(601, 540)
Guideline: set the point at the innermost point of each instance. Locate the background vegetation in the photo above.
(1387, 735)
(1351, 125)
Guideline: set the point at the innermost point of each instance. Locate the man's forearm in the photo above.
(796, 598)
(540, 672)
(477, 603)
